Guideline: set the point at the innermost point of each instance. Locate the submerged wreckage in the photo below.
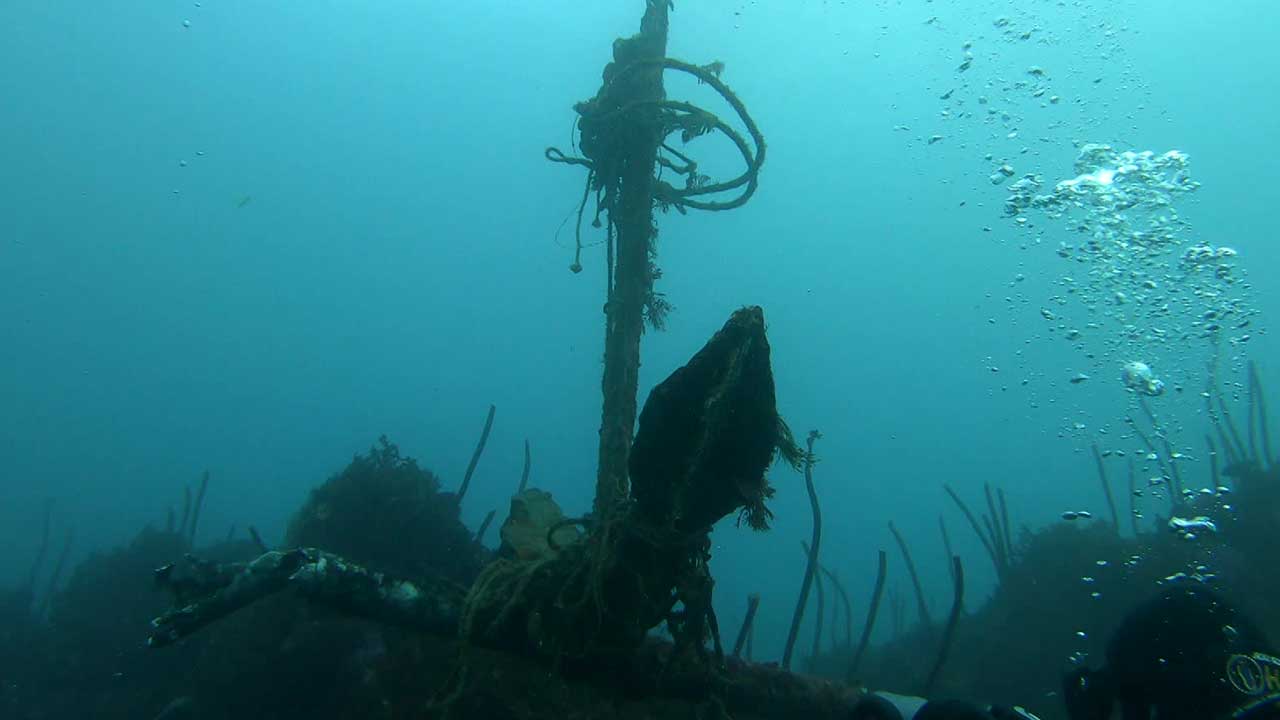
(583, 593)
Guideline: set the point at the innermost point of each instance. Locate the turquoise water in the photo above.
(251, 237)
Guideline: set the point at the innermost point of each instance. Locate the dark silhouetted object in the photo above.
(1169, 659)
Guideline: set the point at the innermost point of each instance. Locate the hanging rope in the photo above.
(599, 124)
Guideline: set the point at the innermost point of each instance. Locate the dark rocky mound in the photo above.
(385, 512)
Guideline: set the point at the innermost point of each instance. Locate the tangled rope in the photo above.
(599, 129)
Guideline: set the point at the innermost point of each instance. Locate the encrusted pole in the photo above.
(630, 215)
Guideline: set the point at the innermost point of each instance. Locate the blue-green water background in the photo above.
(396, 268)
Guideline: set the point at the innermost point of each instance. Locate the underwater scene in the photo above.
(630, 359)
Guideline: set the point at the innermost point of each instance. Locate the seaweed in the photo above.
(386, 512)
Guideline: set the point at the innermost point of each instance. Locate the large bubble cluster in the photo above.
(1137, 278)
